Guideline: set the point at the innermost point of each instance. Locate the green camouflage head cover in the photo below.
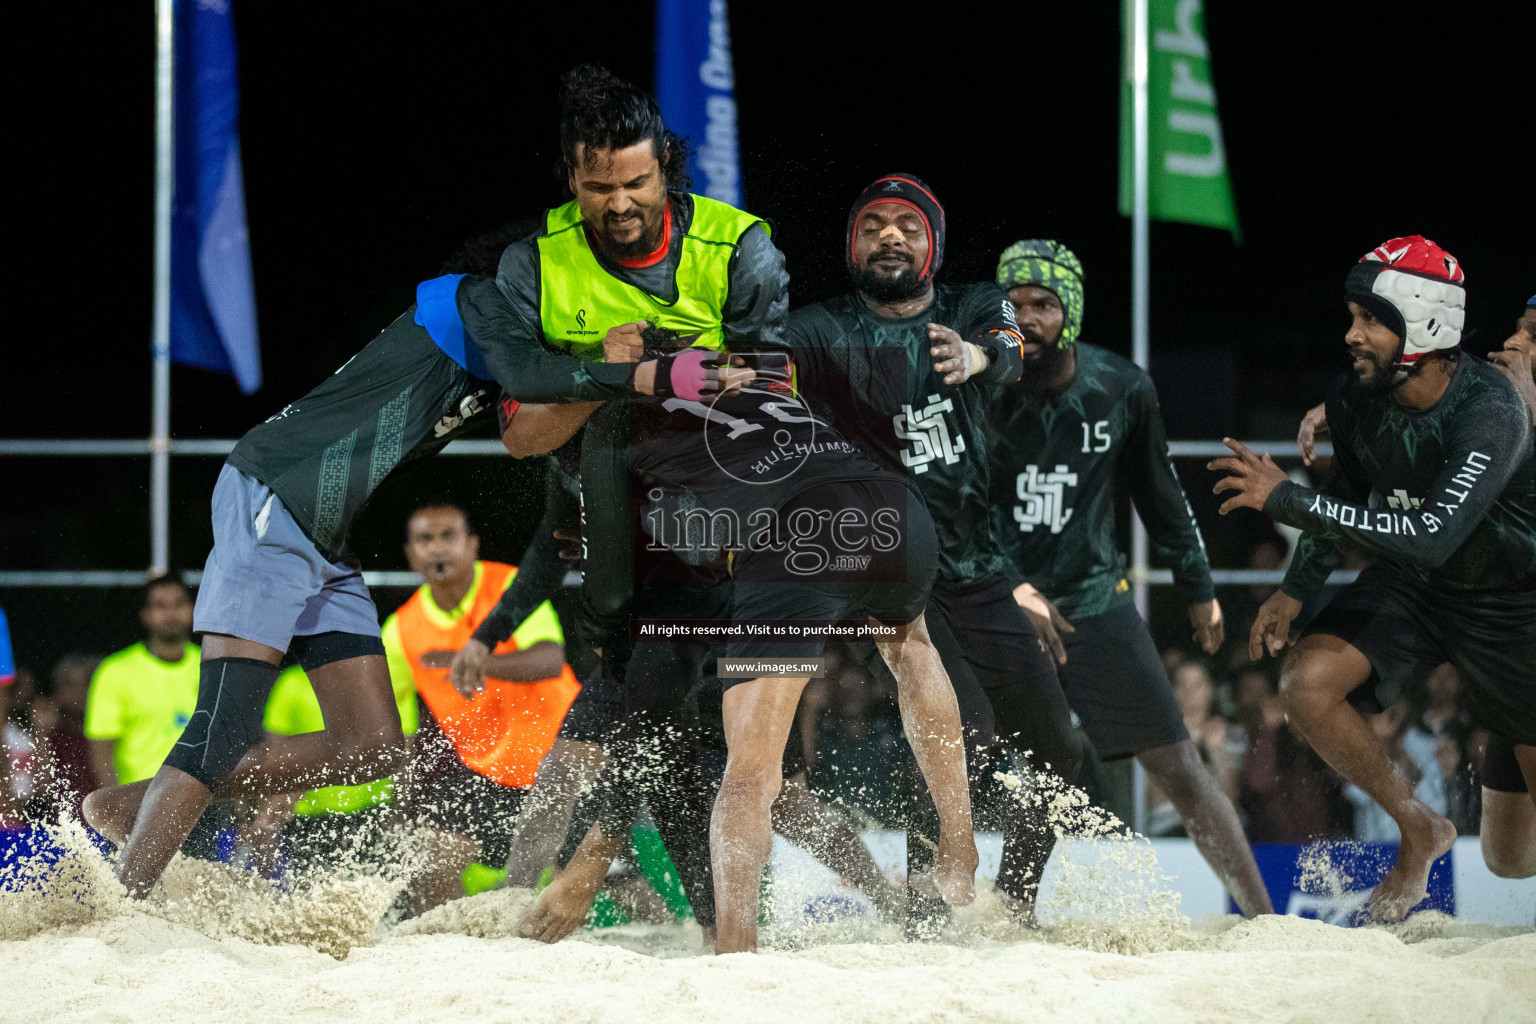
(1049, 264)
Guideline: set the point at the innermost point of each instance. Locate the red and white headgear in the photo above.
(1417, 289)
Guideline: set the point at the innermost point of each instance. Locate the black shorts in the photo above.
(1501, 769)
(595, 711)
(838, 574)
(1114, 680)
(1004, 680)
(659, 674)
(456, 798)
(1406, 629)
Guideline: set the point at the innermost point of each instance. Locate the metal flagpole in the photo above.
(160, 429)
(1140, 347)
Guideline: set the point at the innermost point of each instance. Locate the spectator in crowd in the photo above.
(10, 804)
(63, 772)
(1172, 658)
(1414, 754)
(1268, 552)
(1287, 793)
(1221, 745)
(142, 697)
(1440, 714)
(480, 755)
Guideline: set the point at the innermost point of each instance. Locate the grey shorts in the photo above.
(266, 581)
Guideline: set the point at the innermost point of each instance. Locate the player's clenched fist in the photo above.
(624, 343)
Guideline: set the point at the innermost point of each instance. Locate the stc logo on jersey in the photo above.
(1399, 499)
(929, 432)
(1043, 498)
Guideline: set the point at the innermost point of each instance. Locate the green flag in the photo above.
(1186, 162)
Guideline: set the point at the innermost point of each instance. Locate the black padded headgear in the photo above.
(909, 190)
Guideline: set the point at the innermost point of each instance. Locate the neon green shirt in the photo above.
(143, 704)
(293, 708)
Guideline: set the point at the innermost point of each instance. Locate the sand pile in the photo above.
(487, 915)
(330, 912)
(1273, 969)
(216, 945)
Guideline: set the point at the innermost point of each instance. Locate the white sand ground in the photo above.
(143, 969)
(216, 949)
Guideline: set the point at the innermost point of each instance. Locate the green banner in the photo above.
(1186, 161)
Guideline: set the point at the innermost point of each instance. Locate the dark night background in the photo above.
(377, 137)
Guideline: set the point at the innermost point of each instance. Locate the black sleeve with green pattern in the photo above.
(1317, 556)
(986, 320)
(1159, 497)
(606, 565)
(514, 351)
(1005, 537)
(810, 334)
(757, 305)
(1481, 454)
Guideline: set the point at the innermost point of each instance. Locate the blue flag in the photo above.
(213, 301)
(696, 87)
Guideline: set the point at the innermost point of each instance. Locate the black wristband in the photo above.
(1005, 365)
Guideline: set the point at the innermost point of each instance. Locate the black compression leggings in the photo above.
(607, 573)
(1011, 706)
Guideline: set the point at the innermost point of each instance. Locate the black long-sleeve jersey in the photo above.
(398, 400)
(872, 378)
(1446, 496)
(541, 568)
(1054, 469)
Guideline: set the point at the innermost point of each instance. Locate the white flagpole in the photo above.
(160, 430)
(1140, 346)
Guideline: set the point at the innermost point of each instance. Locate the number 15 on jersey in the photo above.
(1100, 439)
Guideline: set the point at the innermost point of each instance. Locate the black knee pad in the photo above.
(231, 699)
(319, 649)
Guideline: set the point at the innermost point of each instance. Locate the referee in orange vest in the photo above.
(474, 768)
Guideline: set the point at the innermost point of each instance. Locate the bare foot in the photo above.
(96, 816)
(889, 899)
(112, 810)
(1022, 909)
(1426, 838)
(955, 865)
(561, 908)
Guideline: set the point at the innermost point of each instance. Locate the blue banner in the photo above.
(1331, 881)
(696, 87)
(213, 300)
(7, 662)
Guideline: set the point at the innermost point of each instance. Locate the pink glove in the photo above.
(683, 374)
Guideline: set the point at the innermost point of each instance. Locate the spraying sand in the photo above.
(216, 945)
(136, 967)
